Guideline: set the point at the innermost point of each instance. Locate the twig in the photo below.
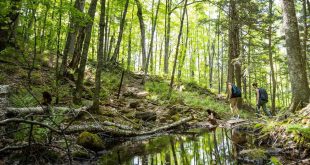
(18, 120)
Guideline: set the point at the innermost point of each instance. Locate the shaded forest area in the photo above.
(128, 68)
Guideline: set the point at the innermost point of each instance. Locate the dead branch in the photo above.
(118, 132)
(125, 127)
(17, 120)
(95, 127)
(13, 148)
(43, 110)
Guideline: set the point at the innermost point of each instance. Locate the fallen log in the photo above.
(118, 132)
(18, 120)
(96, 127)
(43, 110)
(125, 127)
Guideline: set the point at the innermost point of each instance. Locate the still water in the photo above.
(196, 148)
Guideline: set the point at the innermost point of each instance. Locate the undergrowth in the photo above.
(159, 92)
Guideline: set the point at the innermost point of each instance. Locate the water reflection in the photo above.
(211, 148)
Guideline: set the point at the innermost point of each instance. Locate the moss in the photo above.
(298, 129)
(176, 117)
(90, 141)
(275, 161)
(254, 153)
(81, 154)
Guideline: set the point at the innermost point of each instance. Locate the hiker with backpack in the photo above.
(233, 94)
(261, 100)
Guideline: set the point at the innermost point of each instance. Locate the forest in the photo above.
(154, 82)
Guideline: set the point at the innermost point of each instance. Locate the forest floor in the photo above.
(139, 108)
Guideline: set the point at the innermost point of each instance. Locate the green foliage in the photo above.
(299, 129)
(109, 83)
(5, 9)
(159, 92)
(275, 161)
(22, 98)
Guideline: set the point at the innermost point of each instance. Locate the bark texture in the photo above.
(296, 66)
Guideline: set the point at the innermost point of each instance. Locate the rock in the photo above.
(214, 114)
(142, 94)
(90, 141)
(274, 151)
(134, 104)
(141, 109)
(176, 109)
(81, 155)
(128, 94)
(124, 110)
(175, 117)
(238, 137)
(146, 116)
(256, 156)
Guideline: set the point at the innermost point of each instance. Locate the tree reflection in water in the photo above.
(201, 148)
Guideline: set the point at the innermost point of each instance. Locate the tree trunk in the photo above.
(106, 32)
(167, 35)
(100, 55)
(274, 85)
(142, 29)
(218, 51)
(71, 36)
(296, 67)
(42, 37)
(184, 49)
(129, 43)
(249, 63)
(34, 47)
(177, 49)
(120, 33)
(88, 29)
(233, 29)
(151, 43)
(234, 64)
(58, 51)
(78, 49)
(211, 57)
(305, 39)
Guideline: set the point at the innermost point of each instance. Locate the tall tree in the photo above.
(120, 33)
(81, 69)
(100, 55)
(151, 42)
(167, 35)
(296, 66)
(142, 29)
(129, 42)
(233, 34)
(177, 48)
(305, 39)
(71, 36)
(274, 83)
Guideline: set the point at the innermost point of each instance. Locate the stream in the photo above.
(197, 147)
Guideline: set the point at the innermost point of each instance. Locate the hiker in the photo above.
(233, 94)
(261, 100)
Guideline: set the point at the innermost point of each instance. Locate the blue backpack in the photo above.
(263, 94)
(236, 92)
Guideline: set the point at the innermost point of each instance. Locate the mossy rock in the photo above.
(254, 154)
(81, 155)
(176, 117)
(90, 141)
